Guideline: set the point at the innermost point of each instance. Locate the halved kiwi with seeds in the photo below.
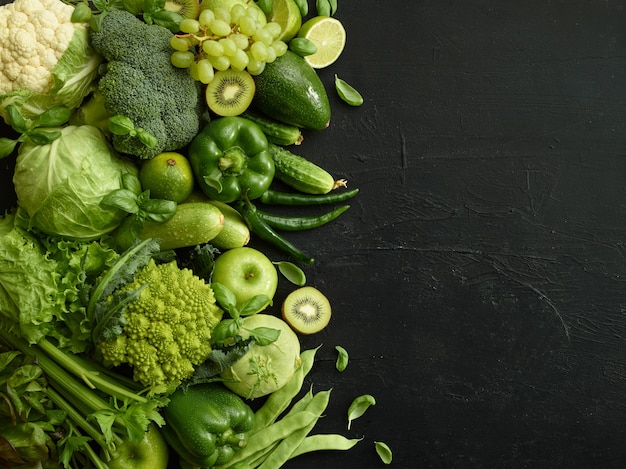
(230, 92)
(306, 310)
(185, 8)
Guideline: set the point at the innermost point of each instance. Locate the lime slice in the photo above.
(287, 14)
(328, 35)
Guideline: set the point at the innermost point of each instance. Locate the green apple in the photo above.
(246, 272)
(150, 453)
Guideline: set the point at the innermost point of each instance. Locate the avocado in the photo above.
(289, 90)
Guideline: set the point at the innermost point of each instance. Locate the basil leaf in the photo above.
(383, 451)
(359, 406)
(264, 335)
(53, 117)
(333, 6)
(292, 272)
(342, 358)
(7, 146)
(254, 304)
(224, 296)
(322, 7)
(131, 182)
(123, 199)
(225, 329)
(121, 125)
(348, 93)
(15, 119)
(43, 137)
(159, 210)
(303, 6)
(147, 138)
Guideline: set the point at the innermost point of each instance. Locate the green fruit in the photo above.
(167, 176)
(290, 91)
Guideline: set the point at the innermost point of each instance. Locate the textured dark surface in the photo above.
(478, 281)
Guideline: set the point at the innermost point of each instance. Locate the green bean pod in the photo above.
(289, 223)
(275, 197)
(265, 232)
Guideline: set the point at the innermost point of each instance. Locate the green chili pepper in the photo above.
(230, 156)
(206, 424)
(289, 223)
(259, 227)
(274, 197)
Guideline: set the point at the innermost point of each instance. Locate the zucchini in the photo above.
(235, 232)
(275, 131)
(302, 174)
(193, 223)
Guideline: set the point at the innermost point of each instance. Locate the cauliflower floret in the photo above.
(168, 328)
(29, 30)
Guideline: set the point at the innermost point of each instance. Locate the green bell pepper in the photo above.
(205, 424)
(230, 158)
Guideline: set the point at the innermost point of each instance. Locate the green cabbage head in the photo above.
(61, 185)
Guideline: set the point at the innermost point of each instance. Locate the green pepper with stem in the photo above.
(206, 424)
(230, 156)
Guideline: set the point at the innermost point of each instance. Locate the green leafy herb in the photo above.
(342, 358)
(348, 93)
(291, 272)
(326, 7)
(359, 406)
(383, 451)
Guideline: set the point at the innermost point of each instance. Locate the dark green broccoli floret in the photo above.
(140, 82)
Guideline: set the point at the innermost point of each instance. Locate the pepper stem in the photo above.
(233, 161)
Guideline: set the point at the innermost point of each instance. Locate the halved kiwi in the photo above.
(230, 92)
(185, 8)
(306, 310)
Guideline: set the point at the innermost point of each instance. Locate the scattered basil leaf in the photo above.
(342, 358)
(131, 182)
(322, 7)
(53, 117)
(147, 138)
(359, 406)
(347, 92)
(223, 295)
(43, 137)
(292, 272)
(121, 125)
(7, 146)
(384, 452)
(123, 199)
(81, 14)
(225, 329)
(264, 335)
(266, 6)
(254, 304)
(159, 210)
(168, 19)
(303, 6)
(18, 123)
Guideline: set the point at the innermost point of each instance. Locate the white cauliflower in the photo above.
(34, 34)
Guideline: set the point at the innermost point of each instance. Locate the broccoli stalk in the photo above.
(85, 391)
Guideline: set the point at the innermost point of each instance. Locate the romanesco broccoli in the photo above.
(139, 81)
(168, 328)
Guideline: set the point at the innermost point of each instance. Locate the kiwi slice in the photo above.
(185, 8)
(306, 310)
(230, 92)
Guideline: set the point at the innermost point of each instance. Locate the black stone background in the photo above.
(478, 280)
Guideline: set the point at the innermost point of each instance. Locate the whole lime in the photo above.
(167, 176)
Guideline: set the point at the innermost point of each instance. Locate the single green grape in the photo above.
(213, 48)
(262, 35)
(259, 51)
(229, 46)
(240, 60)
(182, 59)
(220, 27)
(189, 25)
(248, 25)
(205, 18)
(220, 63)
(255, 67)
(280, 47)
(236, 12)
(273, 28)
(241, 40)
(222, 14)
(205, 71)
(179, 43)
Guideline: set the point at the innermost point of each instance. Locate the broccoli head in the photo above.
(139, 81)
(167, 330)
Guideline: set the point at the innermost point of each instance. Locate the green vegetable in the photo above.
(266, 367)
(359, 406)
(275, 131)
(302, 174)
(303, 6)
(264, 231)
(293, 223)
(347, 92)
(274, 197)
(326, 7)
(167, 330)
(289, 90)
(193, 223)
(37, 79)
(140, 83)
(235, 232)
(230, 158)
(61, 185)
(384, 452)
(206, 424)
(342, 358)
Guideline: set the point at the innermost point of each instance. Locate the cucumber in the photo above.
(193, 223)
(302, 174)
(275, 131)
(235, 232)
(289, 90)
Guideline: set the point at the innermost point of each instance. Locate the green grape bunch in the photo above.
(220, 39)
